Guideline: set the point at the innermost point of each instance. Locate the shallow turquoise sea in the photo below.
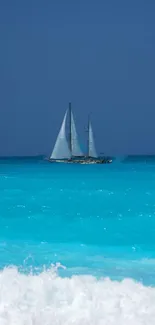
(77, 242)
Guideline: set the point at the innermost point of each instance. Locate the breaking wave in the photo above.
(46, 298)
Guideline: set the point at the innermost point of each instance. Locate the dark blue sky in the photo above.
(100, 54)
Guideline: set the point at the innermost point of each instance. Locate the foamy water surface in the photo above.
(49, 299)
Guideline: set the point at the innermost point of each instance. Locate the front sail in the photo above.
(75, 146)
(61, 149)
(91, 150)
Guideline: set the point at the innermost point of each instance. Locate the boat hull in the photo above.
(81, 161)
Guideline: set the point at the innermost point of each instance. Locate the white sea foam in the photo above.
(47, 299)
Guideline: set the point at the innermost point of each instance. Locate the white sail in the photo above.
(92, 149)
(61, 149)
(76, 150)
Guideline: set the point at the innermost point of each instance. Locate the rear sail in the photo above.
(61, 149)
(91, 143)
(75, 146)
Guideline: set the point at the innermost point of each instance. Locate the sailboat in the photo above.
(68, 149)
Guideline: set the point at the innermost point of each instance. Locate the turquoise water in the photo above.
(62, 221)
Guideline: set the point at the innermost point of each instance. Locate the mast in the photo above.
(88, 136)
(70, 129)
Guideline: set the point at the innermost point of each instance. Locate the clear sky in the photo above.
(99, 54)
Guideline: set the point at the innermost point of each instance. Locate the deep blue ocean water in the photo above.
(95, 222)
